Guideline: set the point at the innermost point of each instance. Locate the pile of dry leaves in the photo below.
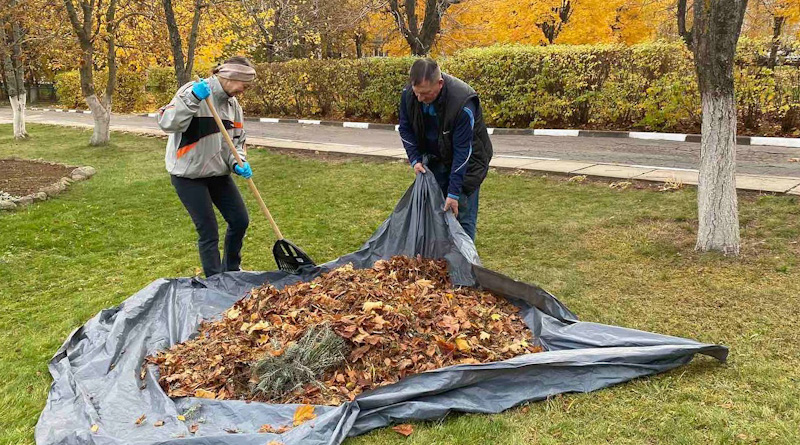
(399, 318)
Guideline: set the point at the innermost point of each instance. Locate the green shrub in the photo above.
(129, 94)
(161, 85)
(650, 87)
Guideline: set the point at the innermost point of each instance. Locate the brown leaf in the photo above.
(140, 419)
(404, 429)
(193, 429)
(159, 423)
(302, 414)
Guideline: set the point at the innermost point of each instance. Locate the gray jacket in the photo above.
(196, 148)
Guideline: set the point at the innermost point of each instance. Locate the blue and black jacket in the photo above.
(451, 130)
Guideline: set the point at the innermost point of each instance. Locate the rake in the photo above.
(288, 256)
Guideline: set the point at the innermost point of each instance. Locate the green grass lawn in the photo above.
(622, 257)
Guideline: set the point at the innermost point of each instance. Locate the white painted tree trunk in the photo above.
(102, 121)
(716, 192)
(18, 110)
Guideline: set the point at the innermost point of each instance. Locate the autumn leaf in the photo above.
(303, 413)
(369, 306)
(404, 429)
(204, 394)
(274, 442)
(233, 313)
(260, 326)
(181, 417)
(463, 345)
(485, 335)
(159, 423)
(140, 419)
(496, 317)
(95, 428)
(266, 428)
(193, 429)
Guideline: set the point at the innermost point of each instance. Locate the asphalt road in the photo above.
(761, 160)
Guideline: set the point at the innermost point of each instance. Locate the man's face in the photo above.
(427, 91)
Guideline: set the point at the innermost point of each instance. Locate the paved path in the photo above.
(758, 167)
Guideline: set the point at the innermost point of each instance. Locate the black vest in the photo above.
(455, 95)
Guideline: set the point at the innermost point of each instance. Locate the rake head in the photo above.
(290, 258)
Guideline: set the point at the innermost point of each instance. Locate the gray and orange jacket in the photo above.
(196, 149)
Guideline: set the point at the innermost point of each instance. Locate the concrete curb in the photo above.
(653, 136)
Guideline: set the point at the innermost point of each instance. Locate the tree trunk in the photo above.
(183, 66)
(14, 73)
(419, 38)
(777, 29)
(102, 121)
(175, 42)
(717, 24)
(359, 40)
(717, 205)
(18, 111)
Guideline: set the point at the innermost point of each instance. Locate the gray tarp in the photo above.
(96, 371)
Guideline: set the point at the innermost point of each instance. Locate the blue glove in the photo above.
(246, 172)
(201, 89)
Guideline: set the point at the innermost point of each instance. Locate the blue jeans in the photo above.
(467, 204)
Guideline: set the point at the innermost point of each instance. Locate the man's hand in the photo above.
(418, 168)
(451, 204)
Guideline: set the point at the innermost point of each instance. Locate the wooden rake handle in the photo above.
(250, 182)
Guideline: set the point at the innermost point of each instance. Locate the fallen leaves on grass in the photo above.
(404, 429)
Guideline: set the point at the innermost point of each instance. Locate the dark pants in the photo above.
(467, 204)
(198, 195)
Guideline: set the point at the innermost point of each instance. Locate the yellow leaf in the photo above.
(369, 306)
(202, 393)
(463, 345)
(303, 413)
(245, 327)
(181, 417)
(233, 313)
(275, 442)
(260, 326)
(95, 428)
(496, 317)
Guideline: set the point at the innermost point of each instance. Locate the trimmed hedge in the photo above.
(129, 95)
(642, 87)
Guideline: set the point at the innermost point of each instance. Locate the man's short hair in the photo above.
(424, 70)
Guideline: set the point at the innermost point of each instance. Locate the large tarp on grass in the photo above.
(96, 372)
